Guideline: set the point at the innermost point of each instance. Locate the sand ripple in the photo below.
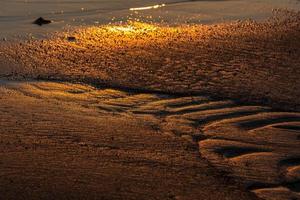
(256, 145)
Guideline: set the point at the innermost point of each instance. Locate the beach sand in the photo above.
(74, 141)
(254, 62)
(68, 141)
(151, 111)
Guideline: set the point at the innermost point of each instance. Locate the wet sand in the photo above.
(16, 16)
(157, 112)
(74, 141)
(253, 62)
(66, 141)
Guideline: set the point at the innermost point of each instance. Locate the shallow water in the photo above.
(16, 16)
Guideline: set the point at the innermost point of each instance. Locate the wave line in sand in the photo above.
(265, 158)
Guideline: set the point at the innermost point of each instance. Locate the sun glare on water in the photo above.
(148, 7)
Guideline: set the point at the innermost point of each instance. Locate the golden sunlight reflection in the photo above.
(148, 7)
(121, 29)
(132, 27)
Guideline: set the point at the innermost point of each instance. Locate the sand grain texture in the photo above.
(67, 141)
(62, 140)
(186, 112)
(254, 62)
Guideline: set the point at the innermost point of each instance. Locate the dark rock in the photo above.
(41, 21)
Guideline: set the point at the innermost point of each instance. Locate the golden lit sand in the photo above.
(249, 61)
(156, 98)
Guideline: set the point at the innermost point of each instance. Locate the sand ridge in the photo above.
(72, 141)
(255, 145)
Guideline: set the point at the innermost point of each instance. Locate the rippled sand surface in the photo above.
(70, 141)
(62, 140)
(150, 111)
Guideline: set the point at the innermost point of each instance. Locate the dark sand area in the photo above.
(63, 141)
(157, 112)
(71, 141)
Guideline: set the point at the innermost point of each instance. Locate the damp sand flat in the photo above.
(65, 141)
(184, 112)
(62, 140)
